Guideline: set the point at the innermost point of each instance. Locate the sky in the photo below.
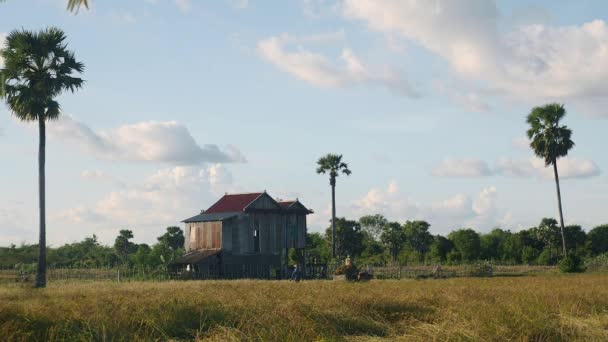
(187, 100)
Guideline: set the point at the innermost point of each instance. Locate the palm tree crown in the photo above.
(37, 68)
(548, 139)
(333, 164)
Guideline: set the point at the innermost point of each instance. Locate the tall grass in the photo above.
(547, 308)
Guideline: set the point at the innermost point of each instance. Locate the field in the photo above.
(547, 307)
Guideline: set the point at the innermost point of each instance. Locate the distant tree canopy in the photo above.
(597, 240)
(467, 243)
(349, 237)
(410, 242)
(89, 253)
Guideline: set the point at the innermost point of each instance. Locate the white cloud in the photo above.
(151, 141)
(162, 199)
(462, 168)
(522, 143)
(534, 167)
(532, 62)
(319, 70)
(454, 212)
(239, 4)
(184, 5)
(316, 9)
(2, 42)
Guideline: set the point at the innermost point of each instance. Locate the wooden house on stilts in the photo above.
(243, 236)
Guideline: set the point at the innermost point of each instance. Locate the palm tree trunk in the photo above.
(41, 271)
(333, 217)
(559, 203)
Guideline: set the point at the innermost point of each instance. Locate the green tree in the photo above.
(38, 67)
(123, 246)
(550, 141)
(418, 237)
(597, 240)
(393, 237)
(440, 248)
(549, 233)
(317, 247)
(141, 255)
(174, 238)
(349, 237)
(373, 224)
(332, 164)
(467, 243)
(575, 239)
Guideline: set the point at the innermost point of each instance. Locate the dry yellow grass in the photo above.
(544, 308)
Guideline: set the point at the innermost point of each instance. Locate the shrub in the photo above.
(598, 263)
(546, 257)
(571, 264)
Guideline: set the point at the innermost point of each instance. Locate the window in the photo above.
(256, 236)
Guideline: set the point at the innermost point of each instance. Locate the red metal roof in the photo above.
(233, 203)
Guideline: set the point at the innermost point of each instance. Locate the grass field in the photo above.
(550, 308)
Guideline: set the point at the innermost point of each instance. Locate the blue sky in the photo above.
(426, 100)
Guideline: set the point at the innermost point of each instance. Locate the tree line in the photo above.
(90, 253)
(374, 240)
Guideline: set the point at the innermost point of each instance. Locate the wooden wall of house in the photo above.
(204, 235)
(236, 235)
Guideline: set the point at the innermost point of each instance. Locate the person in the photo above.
(296, 275)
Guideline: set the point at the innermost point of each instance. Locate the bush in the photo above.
(598, 263)
(546, 257)
(571, 264)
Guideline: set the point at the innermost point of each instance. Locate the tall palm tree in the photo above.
(38, 67)
(333, 164)
(550, 141)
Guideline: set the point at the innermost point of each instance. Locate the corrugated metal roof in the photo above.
(196, 256)
(209, 217)
(286, 204)
(232, 203)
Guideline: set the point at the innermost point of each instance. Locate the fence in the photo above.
(313, 271)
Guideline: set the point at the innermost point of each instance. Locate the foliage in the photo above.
(418, 237)
(575, 238)
(332, 164)
(597, 263)
(123, 246)
(597, 240)
(529, 255)
(37, 68)
(467, 242)
(173, 238)
(571, 263)
(548, 139)
(349, 237)
(316, 247)
(373, 225)
(546, 257)
(440, 248)
(393, 237)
